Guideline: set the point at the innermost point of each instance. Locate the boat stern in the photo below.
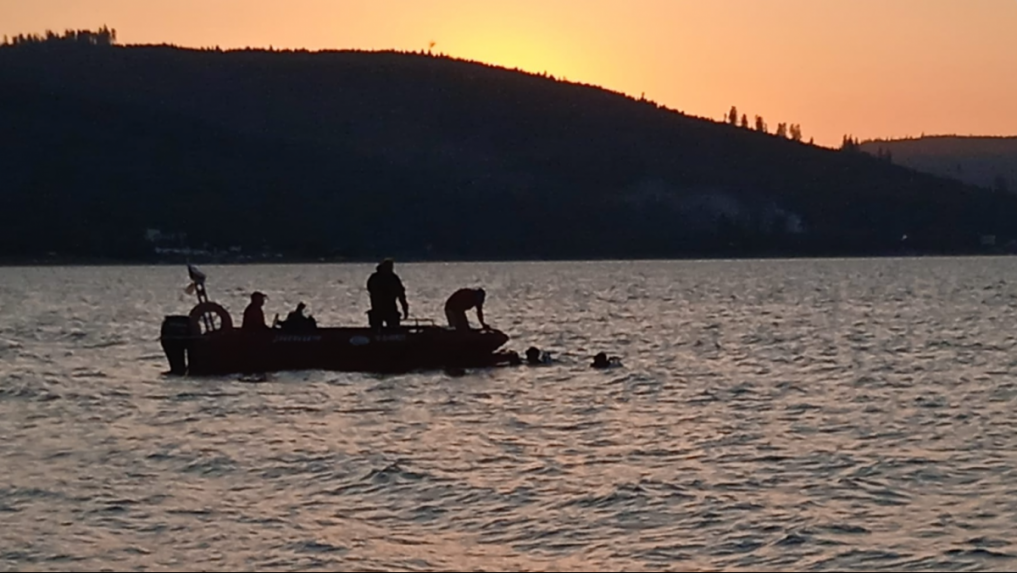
(175, 337)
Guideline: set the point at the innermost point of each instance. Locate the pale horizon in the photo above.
(866, 68)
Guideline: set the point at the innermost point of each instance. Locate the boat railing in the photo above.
(418, 322)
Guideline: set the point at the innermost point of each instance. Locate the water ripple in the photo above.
(842, 415)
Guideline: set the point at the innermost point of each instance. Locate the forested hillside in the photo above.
(368, 154)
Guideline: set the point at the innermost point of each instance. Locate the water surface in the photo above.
(797, 415)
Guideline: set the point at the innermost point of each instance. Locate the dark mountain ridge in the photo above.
(366, 154)
(986, 161)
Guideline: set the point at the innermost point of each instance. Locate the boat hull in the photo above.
(353, 349)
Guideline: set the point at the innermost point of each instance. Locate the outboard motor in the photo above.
(175, 338)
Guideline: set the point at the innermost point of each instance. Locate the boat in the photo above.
(205, 342)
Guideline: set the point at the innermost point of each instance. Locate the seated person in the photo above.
(297, 321)
(462, 300)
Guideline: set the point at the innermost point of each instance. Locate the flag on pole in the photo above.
(197, 277)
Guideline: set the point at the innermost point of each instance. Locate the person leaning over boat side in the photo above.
(254, 316)
(462, 300)
(385, 287)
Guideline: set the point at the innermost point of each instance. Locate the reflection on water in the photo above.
(796, 415)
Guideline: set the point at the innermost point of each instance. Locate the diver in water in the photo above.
(537, 357)
(602, 361)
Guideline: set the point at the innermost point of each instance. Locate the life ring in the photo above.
(211, 310)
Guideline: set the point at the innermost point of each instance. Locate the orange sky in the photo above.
(872, 68)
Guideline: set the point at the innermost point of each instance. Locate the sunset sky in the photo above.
(871, 68)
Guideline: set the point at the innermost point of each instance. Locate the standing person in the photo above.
(254, 315)
(462, 300)
(385, 289)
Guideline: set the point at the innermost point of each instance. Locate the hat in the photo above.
(258, 294)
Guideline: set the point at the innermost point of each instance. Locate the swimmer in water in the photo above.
(537, 357)
(602, 361)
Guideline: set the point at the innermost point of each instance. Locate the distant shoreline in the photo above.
(14, 262)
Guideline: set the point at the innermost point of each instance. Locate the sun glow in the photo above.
(526, 51)
(509, 36)
(863, 67)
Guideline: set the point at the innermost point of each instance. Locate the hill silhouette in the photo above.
(979, 160)
(367, 154)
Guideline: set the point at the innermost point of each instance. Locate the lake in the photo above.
(796, 415)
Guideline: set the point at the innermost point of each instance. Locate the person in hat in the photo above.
(254, 316)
